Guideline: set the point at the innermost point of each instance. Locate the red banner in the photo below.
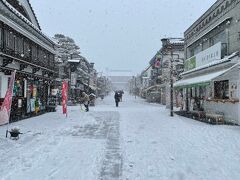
(7, 103)
(64, 96)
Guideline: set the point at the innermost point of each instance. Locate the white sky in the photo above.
(118, 34)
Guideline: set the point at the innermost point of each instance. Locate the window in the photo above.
(205, 44)
(220, 37)
(221, 89)
(34, 53)
(26, 49)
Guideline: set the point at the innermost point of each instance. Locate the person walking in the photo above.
(84, 98)
(117, 98)
(121, 94)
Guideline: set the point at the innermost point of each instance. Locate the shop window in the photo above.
(221, 89)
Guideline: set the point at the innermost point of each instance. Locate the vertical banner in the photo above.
(7, 103)
(64, 96)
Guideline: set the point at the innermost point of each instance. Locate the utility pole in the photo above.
(89, 72)
(135, 89)
(170, 47)
(171, 83)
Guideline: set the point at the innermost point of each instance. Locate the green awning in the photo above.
(203, 80)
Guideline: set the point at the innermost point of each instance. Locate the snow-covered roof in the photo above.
(74, 60)
(213, 63)
(202, 79)
(26, 20)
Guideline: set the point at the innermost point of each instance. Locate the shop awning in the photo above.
(203, 80)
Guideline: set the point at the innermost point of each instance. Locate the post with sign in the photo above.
(64, 97)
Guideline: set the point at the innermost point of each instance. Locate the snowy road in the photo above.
(137, 141)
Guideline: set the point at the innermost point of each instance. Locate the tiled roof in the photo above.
(26, 20)
(34, 14)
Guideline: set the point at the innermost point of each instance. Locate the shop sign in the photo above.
(32, 104)
(73, 79)
(190, 63)
(207, 56)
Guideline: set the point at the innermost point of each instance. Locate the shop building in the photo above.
(24, 48)
(210, 81)
(167, 63)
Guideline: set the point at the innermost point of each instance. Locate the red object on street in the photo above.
(64, 96)
(7, 103)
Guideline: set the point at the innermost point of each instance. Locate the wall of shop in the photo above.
(230, 109)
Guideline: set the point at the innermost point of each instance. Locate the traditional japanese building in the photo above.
(210, 81)
(168, 59)
(26, 49)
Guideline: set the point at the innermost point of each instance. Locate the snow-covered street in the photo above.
(137, 141)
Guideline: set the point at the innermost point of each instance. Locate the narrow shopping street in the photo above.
(137, 141)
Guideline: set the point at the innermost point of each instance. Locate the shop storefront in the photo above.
(30, 94)
(211, 92)
(27, 50)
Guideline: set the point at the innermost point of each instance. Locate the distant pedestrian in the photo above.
(84, 98)
(121, 94)
(117, 98)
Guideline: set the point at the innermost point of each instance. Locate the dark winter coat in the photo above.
(117, 97)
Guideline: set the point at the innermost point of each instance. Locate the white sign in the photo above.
(209, 55)
(32, 104)
(73, 79)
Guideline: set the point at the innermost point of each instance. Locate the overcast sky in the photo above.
(118, 34)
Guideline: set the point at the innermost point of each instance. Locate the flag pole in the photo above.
(9, 113)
